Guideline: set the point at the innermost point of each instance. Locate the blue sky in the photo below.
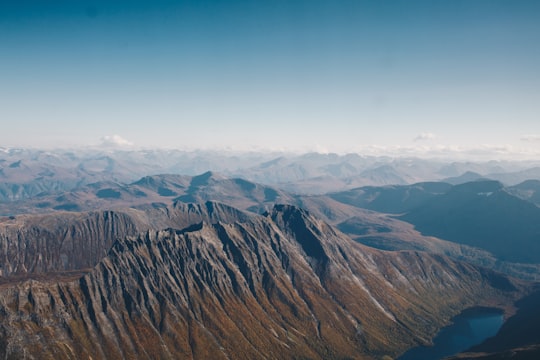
(341, 75)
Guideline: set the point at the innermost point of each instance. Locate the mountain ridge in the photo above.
(26, 173)
(257, 288)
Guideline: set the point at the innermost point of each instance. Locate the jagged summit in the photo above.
(306, 231)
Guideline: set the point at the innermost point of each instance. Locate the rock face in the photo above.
(49, 243)
(280, 286)
(74, 241)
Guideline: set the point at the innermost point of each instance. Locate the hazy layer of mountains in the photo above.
(26, 172)
(147, 254)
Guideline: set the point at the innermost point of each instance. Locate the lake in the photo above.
(469, 328)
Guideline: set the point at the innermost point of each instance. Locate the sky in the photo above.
(298, 75)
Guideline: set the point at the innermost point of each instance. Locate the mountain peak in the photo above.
(307, 232)
(206, 178)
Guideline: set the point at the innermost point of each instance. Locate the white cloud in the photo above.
(425, 136)
(531, 138)
(115, 141)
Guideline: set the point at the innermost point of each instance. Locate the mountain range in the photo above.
(138, 254)
(26, 173)
(278, 285)
(356, 212)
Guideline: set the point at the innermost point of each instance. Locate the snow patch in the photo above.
(489, 193)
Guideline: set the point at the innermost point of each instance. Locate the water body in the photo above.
(469, 328)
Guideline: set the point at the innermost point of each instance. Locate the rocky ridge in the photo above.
(282, 285)
(67, 241)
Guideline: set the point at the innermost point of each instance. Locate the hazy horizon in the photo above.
(424, 78)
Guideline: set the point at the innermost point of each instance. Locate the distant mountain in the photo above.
(484, 219)
(466, 177)
(514, 178)
(25, 173)
(332, 173)
(391, 199)
(527, 190)
(165, 189)
(237, 192)
(508, 178)
(383, 175)
(284, 285)
(28, 173)
(483, 214)
(457, 168)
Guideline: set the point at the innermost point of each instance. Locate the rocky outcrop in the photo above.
(280, 286)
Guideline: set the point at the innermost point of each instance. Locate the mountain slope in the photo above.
(283, 285)
(484, 215)
(527, 190)
(63, 242)
(68, 241)
(392, 199)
